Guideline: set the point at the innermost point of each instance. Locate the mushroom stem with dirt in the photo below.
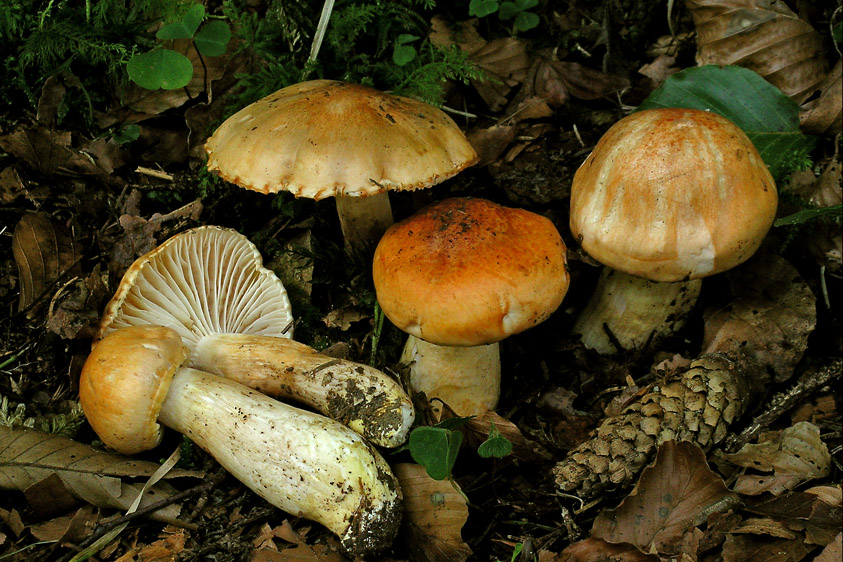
(208, 283)
(299, 461)
(326, 138)
(459, 276)
(667, 197)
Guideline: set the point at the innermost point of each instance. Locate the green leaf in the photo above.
(482, 8)
(185, 28)
(496, 445)
(525, 5)
(436, 449)
(127, 134)
(809, 214)
(526, 20)
(160, 68)
(768, 117)
(508, 10)
(213, 38)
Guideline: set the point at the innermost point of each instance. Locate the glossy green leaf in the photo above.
(185, 28)
(213, 38)
(526, 21)
(160, 69)
(809, 214)
(768, 117)
(436, 449)
(482, 8)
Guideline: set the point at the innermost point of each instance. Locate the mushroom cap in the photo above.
(465, 272)
(323, 138)
(672, 194)
(207, 280)
(124, 382)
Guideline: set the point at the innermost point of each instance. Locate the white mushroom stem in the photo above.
(467, 379)
(634, 310)
(365, 399)
(363, 220)
(301, 462)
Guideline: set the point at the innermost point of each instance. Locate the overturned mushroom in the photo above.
(208, 284)
(325, 138)
(301, 462)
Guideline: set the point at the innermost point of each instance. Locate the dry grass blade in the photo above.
(764, 36)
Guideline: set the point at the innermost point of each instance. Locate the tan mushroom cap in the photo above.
(206, 280)
(672, 194)
(324, 138)
(124, 382)
(467, 272)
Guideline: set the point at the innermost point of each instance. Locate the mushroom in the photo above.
(324, 138)
(459, 276)
(208, 283)
(299, 461)
(667, 197)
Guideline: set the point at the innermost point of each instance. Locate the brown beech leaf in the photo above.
(668, 500)
(833, 551)
(793, 456)
(749, 548)
(770, 318)
(824, 115)
(74, 309)
(597, 550)
(44, 251)
(434, 514)
(801, 511)
(762, 35)
(28, 456)
(504, 60)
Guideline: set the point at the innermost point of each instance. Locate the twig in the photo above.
(101, 530)
(784, 401)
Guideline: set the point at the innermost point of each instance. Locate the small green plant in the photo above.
(518, 11)
(163, 68)
(436, 447)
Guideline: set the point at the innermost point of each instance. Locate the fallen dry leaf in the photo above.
(793, 456)
(51, 152)
(75, 308)
(72, 527)
(833, 552)
(294, 264)
(749, 548)
(764, 526)
(597, 550)
(28, 457)
(764, 36)
(772, 314)
(824, 115)
(801, 511)
(11, 185)
(343, 317)
(668, 500)
(44, 251)
(434, 514)
(504, 60)
(832, 495)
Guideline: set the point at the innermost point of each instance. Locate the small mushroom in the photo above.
(667, 197)
(325, 138)
(459, 276)
(208, 283)
(299, 461)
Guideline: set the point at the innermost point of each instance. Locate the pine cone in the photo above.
(696, 405)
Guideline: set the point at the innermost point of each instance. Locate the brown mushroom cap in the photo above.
(124, 382)
(206, 280)
(672, 194)
(466, 272)
(324, 138)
